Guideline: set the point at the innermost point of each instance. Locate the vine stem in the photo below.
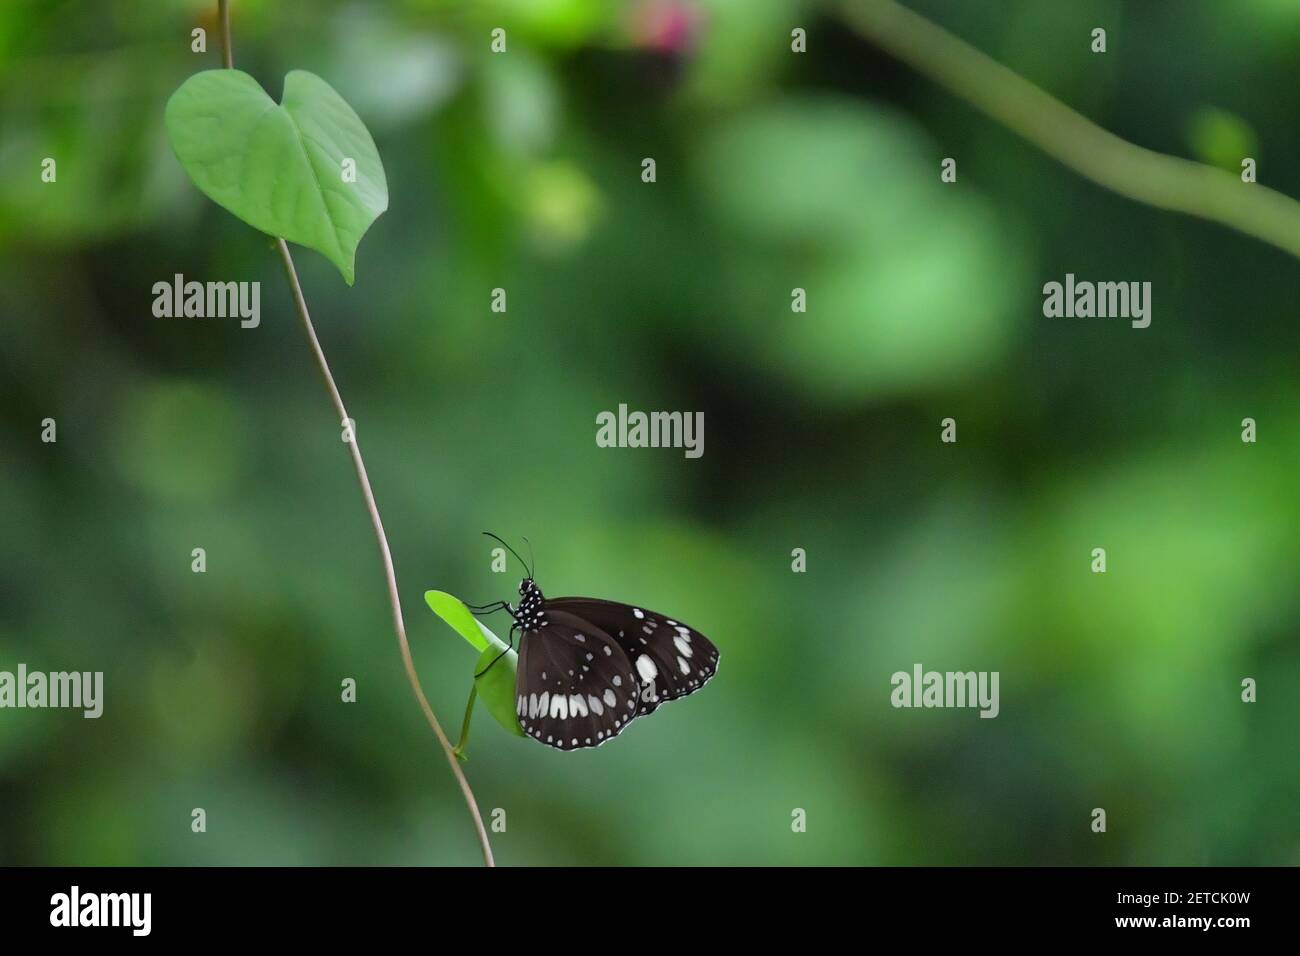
(227, 39)
(385, 554)
(1143, 175)
(464, 727)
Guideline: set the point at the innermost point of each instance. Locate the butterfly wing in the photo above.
(671, 660)
(576, 688)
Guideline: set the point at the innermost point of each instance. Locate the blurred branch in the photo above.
(390, 574)
(1166, 182)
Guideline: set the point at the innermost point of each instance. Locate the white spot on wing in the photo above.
(682, 646)
(638, 613)
(646, 668)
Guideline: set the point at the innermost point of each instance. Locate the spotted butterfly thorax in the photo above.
(588, 668)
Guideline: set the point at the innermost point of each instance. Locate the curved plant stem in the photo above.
(464, 727)
(386, 556)
(390, 575)
(227, 38)
(1166, 182)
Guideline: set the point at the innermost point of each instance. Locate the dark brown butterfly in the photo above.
(588, 668)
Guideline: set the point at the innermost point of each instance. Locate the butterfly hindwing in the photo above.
(670, 659)
(576, 688)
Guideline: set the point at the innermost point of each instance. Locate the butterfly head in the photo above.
(531, 615)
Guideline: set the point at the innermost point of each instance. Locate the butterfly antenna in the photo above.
(532, 561)
(512, 551)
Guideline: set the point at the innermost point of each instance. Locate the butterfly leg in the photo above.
(489, 608)
(511, 647)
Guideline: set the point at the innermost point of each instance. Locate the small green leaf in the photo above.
(280, 167)
(496, 688)
(451, 610)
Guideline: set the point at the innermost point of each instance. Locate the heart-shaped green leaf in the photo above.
(282, 168)
(496, 687)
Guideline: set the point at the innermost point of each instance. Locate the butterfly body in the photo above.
(588, 667)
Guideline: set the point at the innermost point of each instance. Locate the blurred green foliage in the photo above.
(775, 171)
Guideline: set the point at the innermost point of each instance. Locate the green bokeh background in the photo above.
(775, 170)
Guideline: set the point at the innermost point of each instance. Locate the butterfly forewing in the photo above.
(576, 688)
(669, 658)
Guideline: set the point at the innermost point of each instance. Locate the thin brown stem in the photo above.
(227, 38)
(385, 554)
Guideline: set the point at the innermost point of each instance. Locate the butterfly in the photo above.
(588, 668)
